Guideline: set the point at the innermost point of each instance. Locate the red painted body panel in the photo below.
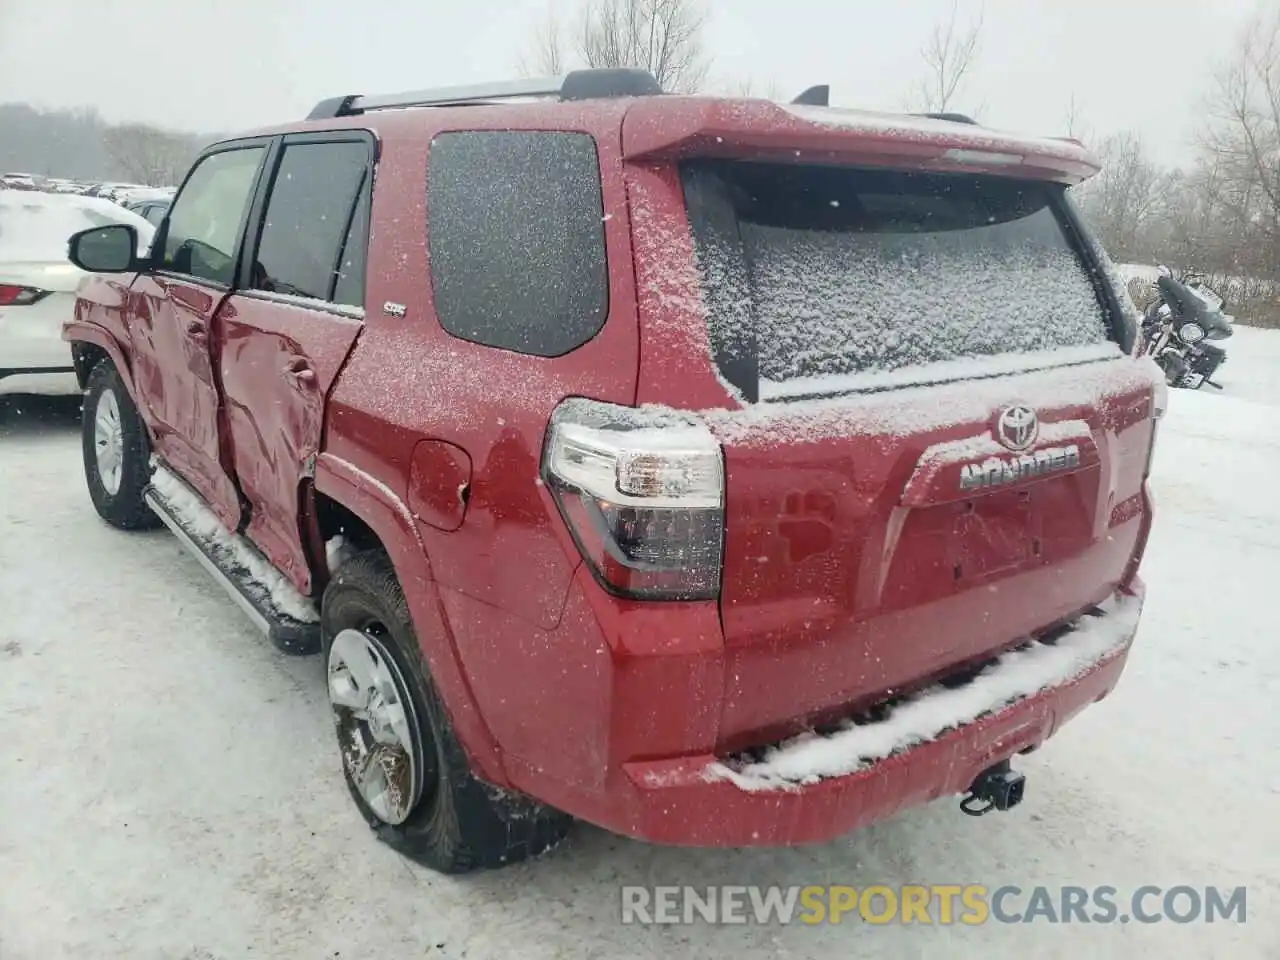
(408, 380)
(101, 303)
(834, 594)
(614, 681)
(851, 566)
(673, 802)
(389, 518)
(760, 129)
(439, 484)
(171, 341)
(278, 362)
(656, 694)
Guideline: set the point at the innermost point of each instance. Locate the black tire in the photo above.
(124, 508)
(459, 822)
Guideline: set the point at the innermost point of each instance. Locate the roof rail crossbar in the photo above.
(332, 107)
(953, 117)
(575, 85)
(817, 96)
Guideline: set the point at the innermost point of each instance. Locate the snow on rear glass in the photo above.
(841, 271)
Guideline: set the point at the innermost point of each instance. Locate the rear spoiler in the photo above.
(677, 127)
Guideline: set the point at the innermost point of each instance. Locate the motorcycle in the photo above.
(1177, 330)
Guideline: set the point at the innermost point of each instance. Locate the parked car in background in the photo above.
(128, 195)
(38, 283)
(718, 471)
(19, 181)
(151, 208)
(115, 191)
(63, 185)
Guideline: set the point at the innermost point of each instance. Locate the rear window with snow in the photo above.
(820, 279)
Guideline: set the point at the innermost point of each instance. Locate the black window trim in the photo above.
(1086, 246)
(162, 232)
(336, 266)
(258, 212)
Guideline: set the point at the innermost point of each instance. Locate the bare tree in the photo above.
(1242, 143)
(1077, 127)
(545, 56)
(1221, 216)
(144, 154)
(1126, 202)
(949, 55)
(1198, 233)
(751, 87)
(661, 36)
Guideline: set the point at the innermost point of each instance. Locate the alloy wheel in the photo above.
(377, 725)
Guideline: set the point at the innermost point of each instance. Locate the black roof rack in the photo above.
(953, 117)
(818, 96)
(575, 85)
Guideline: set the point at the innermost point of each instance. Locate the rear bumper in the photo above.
(31, 336)
(34, 359)
(688, 801)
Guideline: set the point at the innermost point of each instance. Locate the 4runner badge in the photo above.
(998, 471)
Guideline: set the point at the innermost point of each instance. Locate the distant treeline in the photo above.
(80, 145)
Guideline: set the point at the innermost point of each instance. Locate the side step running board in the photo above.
(288, 633)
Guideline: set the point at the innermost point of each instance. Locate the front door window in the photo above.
(208, 216)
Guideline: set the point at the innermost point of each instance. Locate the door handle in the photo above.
(197, 331)
(300, 370)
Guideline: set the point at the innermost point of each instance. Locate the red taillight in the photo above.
(644, 503)
(15, 296)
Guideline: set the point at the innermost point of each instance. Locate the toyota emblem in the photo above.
(1017, 427)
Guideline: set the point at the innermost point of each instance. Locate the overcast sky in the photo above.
(224, 65)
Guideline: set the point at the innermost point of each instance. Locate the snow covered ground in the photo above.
(169, 788)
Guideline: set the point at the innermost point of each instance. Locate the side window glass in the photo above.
(516, 235)
(209, 215)
(302, 250)
(156, 213)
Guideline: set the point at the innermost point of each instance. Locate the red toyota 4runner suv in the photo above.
(717, 471)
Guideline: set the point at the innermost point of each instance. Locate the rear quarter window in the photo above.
(814, 273)
(516, 238)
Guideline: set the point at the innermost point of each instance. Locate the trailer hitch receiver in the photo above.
(996, 788)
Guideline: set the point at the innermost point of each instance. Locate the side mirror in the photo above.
(112, 249)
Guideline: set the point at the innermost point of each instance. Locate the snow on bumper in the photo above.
(1022, 673)
(813, 788)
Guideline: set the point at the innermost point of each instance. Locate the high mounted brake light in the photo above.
(15, 296)
(982, 157)
(645, 504)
